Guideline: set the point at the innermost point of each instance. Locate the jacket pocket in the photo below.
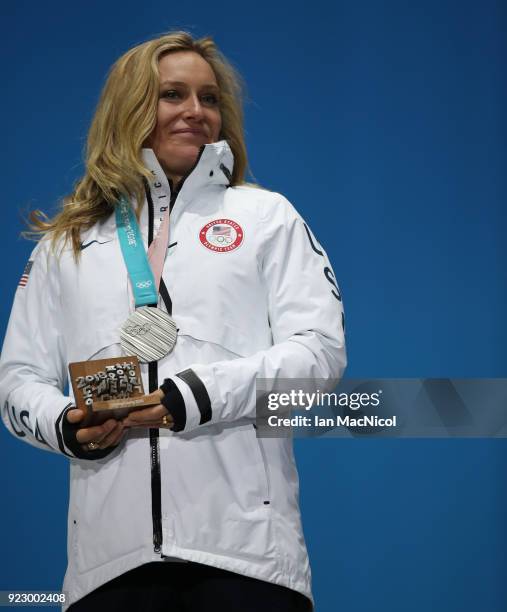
(223, 508)
(106, 512)
(260, 455)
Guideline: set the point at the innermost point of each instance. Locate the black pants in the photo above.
(189, 587)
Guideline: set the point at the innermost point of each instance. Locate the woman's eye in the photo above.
(210, 99)
(172, 94)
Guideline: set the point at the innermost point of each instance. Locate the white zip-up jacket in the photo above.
(253, 296)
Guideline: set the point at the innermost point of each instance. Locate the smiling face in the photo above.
(188, 113)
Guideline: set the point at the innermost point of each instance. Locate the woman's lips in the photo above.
(190, 132)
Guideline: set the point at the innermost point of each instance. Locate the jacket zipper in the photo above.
(156, 483)
(156, 488)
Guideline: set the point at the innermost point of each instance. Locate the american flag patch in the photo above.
(221, 230)
(26, 273)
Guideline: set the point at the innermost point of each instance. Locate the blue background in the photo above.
(384, 123)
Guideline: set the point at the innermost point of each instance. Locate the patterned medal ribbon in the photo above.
(149, 332)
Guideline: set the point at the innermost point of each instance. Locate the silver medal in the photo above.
(149, 333)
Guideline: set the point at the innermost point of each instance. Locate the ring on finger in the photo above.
(92, 446)
(165, 420)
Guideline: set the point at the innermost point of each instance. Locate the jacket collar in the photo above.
(212, 170)
(213, 167)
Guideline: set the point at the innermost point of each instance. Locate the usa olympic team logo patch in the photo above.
(221, 235)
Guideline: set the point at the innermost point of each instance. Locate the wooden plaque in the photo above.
(108, 388)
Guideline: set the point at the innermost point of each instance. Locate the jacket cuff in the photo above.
(66, 434)
(187, 400)
(175, 404)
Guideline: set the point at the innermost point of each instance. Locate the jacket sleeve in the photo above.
(307, 325)
(33, 370)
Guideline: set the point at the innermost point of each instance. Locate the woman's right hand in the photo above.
(96, 437)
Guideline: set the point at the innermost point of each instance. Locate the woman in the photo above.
(252, 295)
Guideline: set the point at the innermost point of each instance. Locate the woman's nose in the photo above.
(193, 107)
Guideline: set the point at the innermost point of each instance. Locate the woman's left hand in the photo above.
(153, 416)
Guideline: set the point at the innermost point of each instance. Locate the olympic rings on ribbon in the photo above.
(144, 284)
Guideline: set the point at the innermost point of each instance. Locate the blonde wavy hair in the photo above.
(125, 116)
